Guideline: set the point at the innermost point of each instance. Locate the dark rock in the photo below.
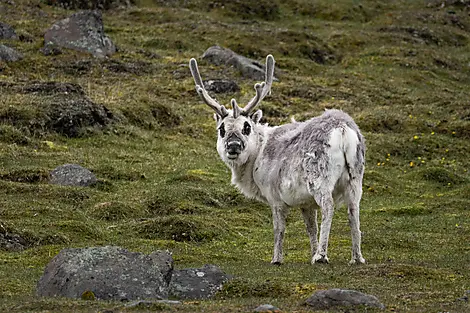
(51, 49)
(12, 242)
(7, 32)
(221, 85)
(72, 175)
(71, 116)
(82, 31)
(111, 273)
(327, 299)
(248, 68)
(90, 4)
(197, 283)
(267, 308)
(8, 54)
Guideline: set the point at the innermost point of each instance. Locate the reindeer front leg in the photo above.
(279, 223)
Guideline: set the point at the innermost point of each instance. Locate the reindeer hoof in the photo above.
(318, 258)
(277, 263)
(355, 261)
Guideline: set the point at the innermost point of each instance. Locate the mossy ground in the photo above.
(401, 69)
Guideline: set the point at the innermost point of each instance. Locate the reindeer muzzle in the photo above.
(234, 146)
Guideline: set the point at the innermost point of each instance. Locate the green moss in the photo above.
(88, 296)
(26, 175)
(113, 211)
(242, 288)
(180, 228)
(245, 9)
(10, 134)
(440, 176)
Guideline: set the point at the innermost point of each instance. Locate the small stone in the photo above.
(8, 54)
(51, 49)
(267, 308)
(7, 32)
(72, 175)
(327, 299)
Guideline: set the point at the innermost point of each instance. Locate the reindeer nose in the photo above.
(234, 145)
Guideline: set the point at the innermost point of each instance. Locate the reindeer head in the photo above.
(237, 128)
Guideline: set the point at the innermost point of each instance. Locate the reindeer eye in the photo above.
(246, 129)
(222, 130)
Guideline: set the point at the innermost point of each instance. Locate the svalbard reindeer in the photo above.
(313, 164)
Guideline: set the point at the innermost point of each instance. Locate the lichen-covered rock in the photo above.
(332, 298)
(197, 283)
(8, 54)
(82, 31)
(110, 273)
(7, 32)
(72, 175)
(248, 68)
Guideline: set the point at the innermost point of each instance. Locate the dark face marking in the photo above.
(246, 129)
(222, 130)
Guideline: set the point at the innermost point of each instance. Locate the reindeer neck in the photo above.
(242, 174)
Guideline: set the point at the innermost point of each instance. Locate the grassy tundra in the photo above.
(401, 69)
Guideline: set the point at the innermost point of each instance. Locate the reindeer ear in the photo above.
(256, 117)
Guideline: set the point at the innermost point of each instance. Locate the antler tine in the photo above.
(219, 109)
(235, 108)
(262, 89)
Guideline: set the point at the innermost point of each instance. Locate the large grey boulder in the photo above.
(107, 273)
(197, 283)
(248, 68)
(82, 31)
(7, 32)
(72, 175)
(8, 54)
(332, 298)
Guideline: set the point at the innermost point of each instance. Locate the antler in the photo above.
(262, 89)
(219, 109)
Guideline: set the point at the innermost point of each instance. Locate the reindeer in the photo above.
(313, 164)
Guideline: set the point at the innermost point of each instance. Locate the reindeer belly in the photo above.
(283, 184)
(294, 192)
